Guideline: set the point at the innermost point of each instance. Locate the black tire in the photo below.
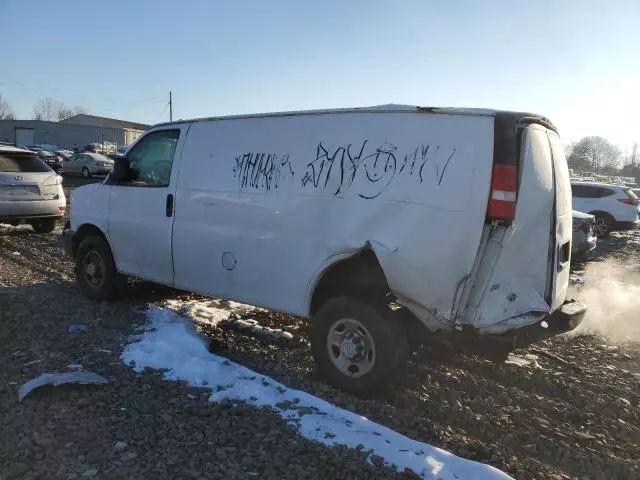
(604, 224)
(86, 173)
(388, 335)
(95, 249)
(44, 225)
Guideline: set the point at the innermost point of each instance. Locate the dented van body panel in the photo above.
(412, 186)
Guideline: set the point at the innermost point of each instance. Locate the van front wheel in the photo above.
(357, 347)
(95, 270)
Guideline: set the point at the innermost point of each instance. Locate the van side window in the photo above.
(152, 157)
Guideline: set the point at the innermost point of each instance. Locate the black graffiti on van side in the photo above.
(372, 169)
(261, 171)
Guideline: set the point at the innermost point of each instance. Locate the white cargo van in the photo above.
(368, 221)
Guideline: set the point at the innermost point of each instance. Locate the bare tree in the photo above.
(66, 112)
(633, 158)
(594, 153)
(46, 109)
(6, 112)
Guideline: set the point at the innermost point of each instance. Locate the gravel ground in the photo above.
(572, 412)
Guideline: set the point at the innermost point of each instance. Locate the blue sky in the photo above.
(574, 61)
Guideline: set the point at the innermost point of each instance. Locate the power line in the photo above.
(163, 111)
(73, 97)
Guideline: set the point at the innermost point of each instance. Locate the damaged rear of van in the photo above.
(383, 225)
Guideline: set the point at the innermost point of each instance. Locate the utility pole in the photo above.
(170, 108)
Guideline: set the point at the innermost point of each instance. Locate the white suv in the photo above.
(29, 190)
(615, 207)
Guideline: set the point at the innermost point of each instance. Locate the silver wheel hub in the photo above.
(93, 269)
(351, 347)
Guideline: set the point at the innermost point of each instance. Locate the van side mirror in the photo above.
(121, 169)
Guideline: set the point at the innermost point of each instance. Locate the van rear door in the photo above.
(525, 266)
(563, 226)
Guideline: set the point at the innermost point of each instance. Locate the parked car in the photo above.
(88, 164)
(29, 190)
(51, 159)
(91, 148)
(11, 144)
(615, 207)
(584, 238)
(332, 215)
(64, 154)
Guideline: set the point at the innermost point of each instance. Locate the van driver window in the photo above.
(151, 159)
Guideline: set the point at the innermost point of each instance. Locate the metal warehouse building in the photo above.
(77, 130)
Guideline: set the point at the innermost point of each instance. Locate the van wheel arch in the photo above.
(359, 275)
(83, 232)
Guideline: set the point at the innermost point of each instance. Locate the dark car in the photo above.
(51, 159)
(584, 238)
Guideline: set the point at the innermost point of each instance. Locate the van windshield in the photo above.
(21, 163)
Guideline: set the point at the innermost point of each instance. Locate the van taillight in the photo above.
(503, 195)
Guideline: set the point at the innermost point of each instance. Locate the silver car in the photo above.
(29, 190)
(584, 238)
(88, 164)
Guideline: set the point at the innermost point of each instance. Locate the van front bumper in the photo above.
(67, 242)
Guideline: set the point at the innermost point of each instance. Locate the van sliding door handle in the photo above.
(169, 205)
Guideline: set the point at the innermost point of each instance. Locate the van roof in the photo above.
(509, 116)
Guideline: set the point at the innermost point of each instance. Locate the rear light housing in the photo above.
(53, 180)
(577, 226)
(504, 194)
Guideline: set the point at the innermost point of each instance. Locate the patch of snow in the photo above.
(171, 345)
(17, 254)
(529, 360)
(222, 313)
(6, 228)
(254, 327)
(74, 366)
(574, 278)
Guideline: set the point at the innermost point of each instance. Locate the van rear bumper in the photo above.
(67, 242)
(497, 347)
(563, 320)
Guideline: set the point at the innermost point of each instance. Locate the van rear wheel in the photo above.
(95, 270)
(356, 346)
